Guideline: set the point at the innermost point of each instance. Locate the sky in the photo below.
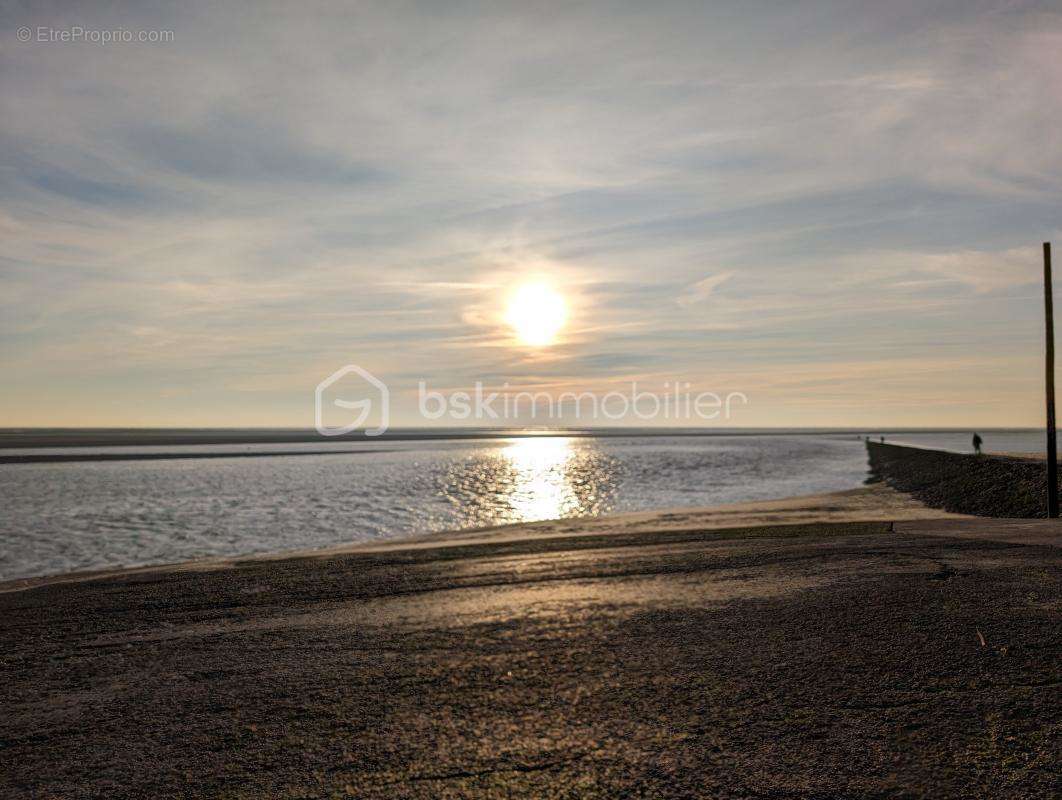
(833, 208)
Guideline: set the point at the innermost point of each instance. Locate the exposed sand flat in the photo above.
(919, 658)
(865, 504)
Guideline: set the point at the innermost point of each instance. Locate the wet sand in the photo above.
(622, 658)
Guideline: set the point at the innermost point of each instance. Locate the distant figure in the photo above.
(883, 440)
(977, 444)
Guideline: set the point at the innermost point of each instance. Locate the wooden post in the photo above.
(1052, 449)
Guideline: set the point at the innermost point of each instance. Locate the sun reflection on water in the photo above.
(532, 478)
(540, 487)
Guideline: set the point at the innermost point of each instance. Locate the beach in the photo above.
(530, 400)
(100, 508)
(855, 644)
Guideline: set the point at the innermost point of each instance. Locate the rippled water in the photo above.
(62, 517)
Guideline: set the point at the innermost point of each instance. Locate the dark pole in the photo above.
(1052, 451)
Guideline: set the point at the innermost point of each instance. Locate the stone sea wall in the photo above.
(985, 485)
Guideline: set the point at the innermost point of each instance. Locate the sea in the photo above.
(163, 503)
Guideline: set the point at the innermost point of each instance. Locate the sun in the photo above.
(537, 312)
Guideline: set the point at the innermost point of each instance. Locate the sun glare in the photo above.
(537, 312)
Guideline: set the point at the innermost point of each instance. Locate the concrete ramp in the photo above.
(1034, 532)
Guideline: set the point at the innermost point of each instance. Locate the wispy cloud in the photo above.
(704, 288)
(744, 190)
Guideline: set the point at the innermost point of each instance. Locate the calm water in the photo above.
(62, 517)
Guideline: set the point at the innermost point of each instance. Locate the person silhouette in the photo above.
(977, 443)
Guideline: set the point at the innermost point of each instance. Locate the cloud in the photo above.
(264, 197)
(704, 288)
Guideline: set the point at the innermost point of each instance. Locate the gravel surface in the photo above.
(814, 661)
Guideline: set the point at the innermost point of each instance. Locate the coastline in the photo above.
(874, 502)
(42, 438)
